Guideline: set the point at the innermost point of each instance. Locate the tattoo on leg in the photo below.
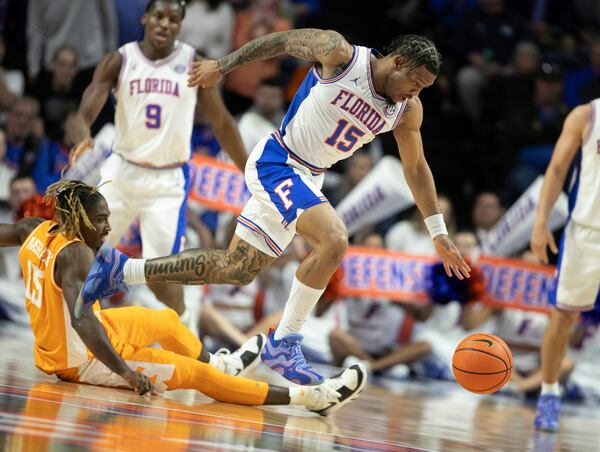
(199, 266)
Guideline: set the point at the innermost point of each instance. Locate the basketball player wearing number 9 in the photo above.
(153, 116)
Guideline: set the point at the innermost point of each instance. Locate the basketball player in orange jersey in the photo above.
(577, 279)
(81, 343)
(154, 120)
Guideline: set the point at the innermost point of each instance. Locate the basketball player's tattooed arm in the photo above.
(72, 265)
(422, 186)
(238, 265)
(575, 128)
(223, 124)
(94, 97)
(328, 48)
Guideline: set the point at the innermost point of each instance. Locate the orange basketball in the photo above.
(482, 363)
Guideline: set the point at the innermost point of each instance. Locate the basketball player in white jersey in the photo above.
(351, 94)
(147, 170)
(577, 277)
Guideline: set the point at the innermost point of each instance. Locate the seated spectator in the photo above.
(516, 85)
(23, 135)
(6, 172)
(265, 115)
(374, 333)
(487, 210)
(12, 307)
(208, 27)
(582, 85)
(411, 236)
(56, 91)
(487, 38)
(532, 128)
(260, 18)
(88, 26)
(12, 83)
(21, 189)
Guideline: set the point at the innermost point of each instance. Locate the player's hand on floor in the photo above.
(451, 258)
(542, 238)
(140, 383)
(204, 73)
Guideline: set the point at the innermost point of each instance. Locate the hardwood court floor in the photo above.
(38, 413)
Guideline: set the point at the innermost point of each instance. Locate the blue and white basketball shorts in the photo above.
(157, 196)
(282, 187)
(577, 279)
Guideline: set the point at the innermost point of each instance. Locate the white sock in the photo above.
(302, 395)
(550, 388)
(133, 271)
(302, 300)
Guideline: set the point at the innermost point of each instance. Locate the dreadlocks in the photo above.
(418, 51)
(72, 199)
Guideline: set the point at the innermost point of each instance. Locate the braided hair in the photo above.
(181, 4)
(418, 51)
(71, 200)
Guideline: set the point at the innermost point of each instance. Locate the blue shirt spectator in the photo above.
(129, 13)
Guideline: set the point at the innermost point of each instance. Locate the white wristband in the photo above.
(435, 225)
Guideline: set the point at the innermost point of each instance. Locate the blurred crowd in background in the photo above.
(513, 69)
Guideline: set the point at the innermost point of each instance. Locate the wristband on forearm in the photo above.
(435, 225)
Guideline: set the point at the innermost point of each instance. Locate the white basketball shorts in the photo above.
(282, 187)
(577, 279)
(157, 196)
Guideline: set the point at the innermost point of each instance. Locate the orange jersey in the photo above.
(57, 344)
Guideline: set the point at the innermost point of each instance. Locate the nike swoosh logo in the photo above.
(487, 341)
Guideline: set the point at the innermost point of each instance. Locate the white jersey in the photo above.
(329, 119)
(585, 193)
(155, 108)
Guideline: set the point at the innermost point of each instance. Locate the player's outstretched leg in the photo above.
(238, 265)
(328, 237)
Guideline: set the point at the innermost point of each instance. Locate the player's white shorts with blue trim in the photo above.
(282, 187)
(157, 196)
(577, 279)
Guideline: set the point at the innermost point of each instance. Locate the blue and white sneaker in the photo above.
(548, 409)
(286, 358)
(105, 278)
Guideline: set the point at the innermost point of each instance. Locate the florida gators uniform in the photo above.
(577, 280)
(327, 121)
(148, 170)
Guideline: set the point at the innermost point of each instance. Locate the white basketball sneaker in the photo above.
(337, 391)
(244, 359)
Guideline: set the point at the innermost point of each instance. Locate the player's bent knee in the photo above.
(335, 245)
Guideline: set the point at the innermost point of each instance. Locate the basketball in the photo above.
(482, 363)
